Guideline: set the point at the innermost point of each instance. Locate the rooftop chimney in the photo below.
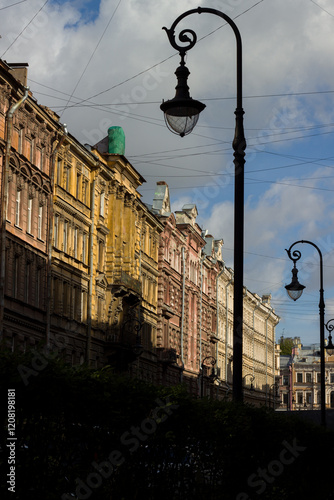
(19, 71)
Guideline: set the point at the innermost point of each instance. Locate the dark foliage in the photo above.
(92, 434)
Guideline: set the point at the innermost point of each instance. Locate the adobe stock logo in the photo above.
(264, 476)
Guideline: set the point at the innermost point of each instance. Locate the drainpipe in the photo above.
(226, 328)
(50, 235)
(217, 308)
(200, 312)
(91, 273)
(182, 308)
(257, 307)
(267, 354)
(4, 196)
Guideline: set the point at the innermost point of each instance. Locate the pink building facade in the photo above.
(195, 313)
(186, 328)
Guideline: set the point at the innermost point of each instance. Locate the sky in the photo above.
(109, 63)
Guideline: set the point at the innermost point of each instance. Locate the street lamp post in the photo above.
(181, 115)
(295, 290)
(212, 376)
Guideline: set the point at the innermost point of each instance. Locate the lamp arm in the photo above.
(191, 41)
(296, 254)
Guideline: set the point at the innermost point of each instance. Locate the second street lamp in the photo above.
(295, 289)
(181, 115)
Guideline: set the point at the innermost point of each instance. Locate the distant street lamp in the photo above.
(274, 389)
(181, 115)
(293, 401)
(251, 380)
(295, 290)
(212, 376)
(329, 347)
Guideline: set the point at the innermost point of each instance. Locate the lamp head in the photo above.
(294, 289)
(182, 112)
(330, 347)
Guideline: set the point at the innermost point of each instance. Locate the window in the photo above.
(56, 231)
(101, 255)
(59, 165)
(308, 398)
(318, 378)
(78, 186)
(67, 178)
(100, 308)
(65, 236)
(83, 306)
(332, 378)
(17, 208)
(300, 398)
(75, 242)
(40, 222)
(299, 378)
(27, 278)
(285, 380)
(285, 398)
(77, 308)
(102, 201)
(32, 150)
(308, 378)
(41, 158)
(66, 303)
(16, 274)
(84, 191)
(29, 220)
(84, 247)
(38, 286)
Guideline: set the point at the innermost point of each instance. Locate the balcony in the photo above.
(124, 285)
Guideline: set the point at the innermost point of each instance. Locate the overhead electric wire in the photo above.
(12, 5)
(26, 26)
(92, 55)
(107, 104)
(144, 71)
(332, 15)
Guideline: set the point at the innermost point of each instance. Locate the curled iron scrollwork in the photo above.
(329, 325)
(295, 255)
(183, 37)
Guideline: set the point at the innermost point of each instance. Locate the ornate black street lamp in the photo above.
(212, 376)
(181, 115)
(295, 290)
(329, 347)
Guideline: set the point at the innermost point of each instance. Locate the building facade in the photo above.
(195, 313)
(300, 379)
(92, 272)
(27, 134)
